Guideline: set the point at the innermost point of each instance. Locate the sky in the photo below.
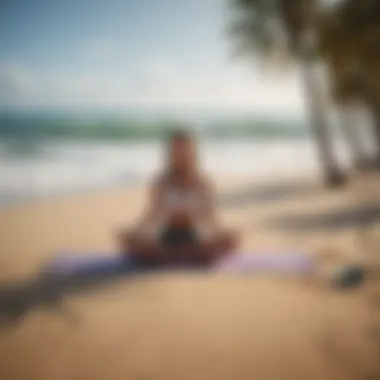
(119, 54)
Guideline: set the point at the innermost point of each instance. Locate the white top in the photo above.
(175, 199)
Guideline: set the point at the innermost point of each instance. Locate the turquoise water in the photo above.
(138, 127)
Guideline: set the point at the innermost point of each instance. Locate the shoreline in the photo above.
(138, 182)
(57, 195)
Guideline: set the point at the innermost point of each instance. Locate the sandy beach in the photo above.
(194, 327)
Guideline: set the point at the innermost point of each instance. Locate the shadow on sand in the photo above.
(17, 299)
(349, 217)
(278, 191)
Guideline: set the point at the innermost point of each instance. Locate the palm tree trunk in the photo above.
(318, 120)
(376, 117)
(371, 97)
(350, 129)
(298, 19)
(374, 108)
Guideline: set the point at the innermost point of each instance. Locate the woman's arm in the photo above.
(210, 216)
(153, 211)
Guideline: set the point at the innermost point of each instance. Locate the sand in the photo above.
(196, 327)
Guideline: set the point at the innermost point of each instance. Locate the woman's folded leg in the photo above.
(142, 246)
(209, 250)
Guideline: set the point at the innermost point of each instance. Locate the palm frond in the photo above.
(256, 31)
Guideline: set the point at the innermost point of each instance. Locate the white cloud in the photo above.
(227, 87)
(15, 81)
(156, 82)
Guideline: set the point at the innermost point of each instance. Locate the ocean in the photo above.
(41, 155)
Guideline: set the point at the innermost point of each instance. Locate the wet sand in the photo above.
(201, 327)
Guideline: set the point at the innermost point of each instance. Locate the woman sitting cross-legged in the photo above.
(180, 224)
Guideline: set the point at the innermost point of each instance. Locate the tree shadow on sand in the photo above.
(17, 299)
(272, 192)
(344, 218)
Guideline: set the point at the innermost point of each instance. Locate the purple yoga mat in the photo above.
(265, 261)
(238, 262)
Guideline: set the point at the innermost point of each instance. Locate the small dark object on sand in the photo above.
(349, 277)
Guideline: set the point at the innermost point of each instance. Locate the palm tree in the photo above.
(340, 54)
(289, 25)
(350, 43)
(363, 19)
